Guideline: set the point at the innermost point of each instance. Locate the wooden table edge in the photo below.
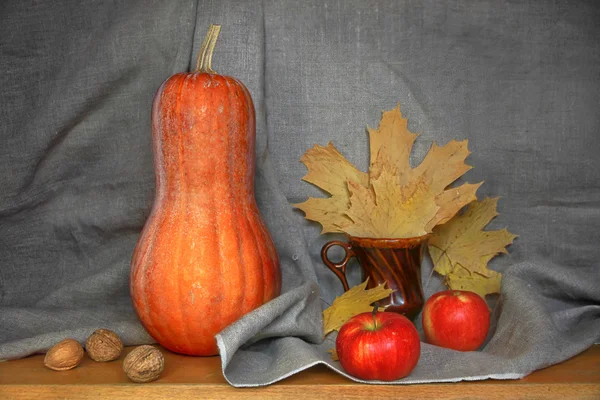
(578, 378)
(474, 390)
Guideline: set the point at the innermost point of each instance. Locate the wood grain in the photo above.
(193, 378)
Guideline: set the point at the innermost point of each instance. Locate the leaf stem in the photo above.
(434, 263)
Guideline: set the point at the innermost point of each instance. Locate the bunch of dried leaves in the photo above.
(394, 200)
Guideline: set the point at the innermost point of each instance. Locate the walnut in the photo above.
(144, 364)
(104, 345)
(64, 355)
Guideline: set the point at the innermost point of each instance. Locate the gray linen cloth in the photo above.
(519, 80)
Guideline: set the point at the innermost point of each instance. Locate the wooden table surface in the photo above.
(201, 378)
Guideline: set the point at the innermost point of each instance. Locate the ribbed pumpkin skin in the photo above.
(204, 258)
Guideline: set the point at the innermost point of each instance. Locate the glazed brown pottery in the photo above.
(395, 262)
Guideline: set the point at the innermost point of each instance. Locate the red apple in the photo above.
(381, 346)
(456, 319)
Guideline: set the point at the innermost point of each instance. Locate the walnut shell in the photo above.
(104, 345)
(64, 355)
(144, 364)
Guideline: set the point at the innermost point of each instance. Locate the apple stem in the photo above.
(375, 306)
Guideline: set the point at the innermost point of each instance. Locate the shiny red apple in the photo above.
(381, 346)
(456, 319)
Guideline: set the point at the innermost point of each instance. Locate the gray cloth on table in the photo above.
(519, 80)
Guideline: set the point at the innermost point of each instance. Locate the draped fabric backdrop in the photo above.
(519, 79)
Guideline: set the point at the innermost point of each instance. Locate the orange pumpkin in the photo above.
(204, 257)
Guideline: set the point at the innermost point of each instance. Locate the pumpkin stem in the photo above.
(203, 64)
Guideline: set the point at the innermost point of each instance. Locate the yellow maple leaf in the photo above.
(390, 144)
(461, 279)
(329, 212)
(355, 301)
(329, 170)
(451, 201)
(390, 210)
(461, 249)
(393, 200)
(443, 165)
(334, 354)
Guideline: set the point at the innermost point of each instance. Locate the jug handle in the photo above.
(338, 268)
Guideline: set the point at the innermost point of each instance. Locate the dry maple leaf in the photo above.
(461, 249)
(461, 279)
(393, 200)
(390, 144)
(329, 170)
(390, 210)
(334, 355)
(355, 301)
